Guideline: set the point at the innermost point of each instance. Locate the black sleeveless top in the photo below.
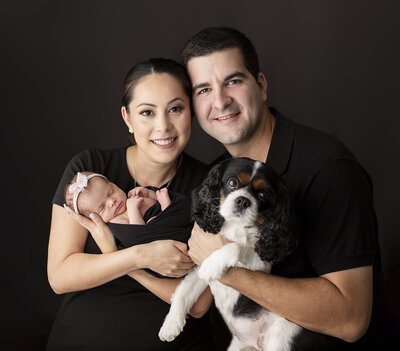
(122, 314)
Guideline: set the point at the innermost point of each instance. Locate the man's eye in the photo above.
(233, 183)
(203, 91)
(234, 81)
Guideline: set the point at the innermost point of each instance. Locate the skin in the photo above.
(160, 110)
(337, 304)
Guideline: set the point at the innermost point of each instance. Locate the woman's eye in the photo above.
(146, 113)
(176, 109)
(233, 183)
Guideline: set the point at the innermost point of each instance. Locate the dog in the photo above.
(247, 202)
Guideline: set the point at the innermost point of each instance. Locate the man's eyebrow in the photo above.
(237, 74)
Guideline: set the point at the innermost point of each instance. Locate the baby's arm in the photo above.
(132, 207)
(163, 198)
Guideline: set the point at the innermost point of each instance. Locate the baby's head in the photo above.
(90, 192)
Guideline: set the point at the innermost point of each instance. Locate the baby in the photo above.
(90, 192)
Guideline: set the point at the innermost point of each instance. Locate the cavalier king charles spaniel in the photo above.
(247, 202)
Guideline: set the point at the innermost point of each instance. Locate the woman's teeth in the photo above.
(163, 142)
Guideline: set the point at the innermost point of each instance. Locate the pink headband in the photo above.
(80, 185)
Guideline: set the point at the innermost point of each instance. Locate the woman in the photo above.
(110, 302)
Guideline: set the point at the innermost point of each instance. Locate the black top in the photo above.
(121, 314)
(174, 222)
(332, 198)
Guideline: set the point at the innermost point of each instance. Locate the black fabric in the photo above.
(172, 223)
(122, 315)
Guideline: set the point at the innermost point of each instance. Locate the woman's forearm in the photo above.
(164, 288)
(80, 271)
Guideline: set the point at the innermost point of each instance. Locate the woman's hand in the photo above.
(168, 258)
(98, 229)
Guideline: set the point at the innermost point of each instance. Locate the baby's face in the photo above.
(103, 198)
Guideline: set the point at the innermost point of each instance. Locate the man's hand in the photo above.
(203, 244)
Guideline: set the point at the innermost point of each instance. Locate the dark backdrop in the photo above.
(329, 64)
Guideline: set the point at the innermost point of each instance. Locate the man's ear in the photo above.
(262, 83)
(125, 116)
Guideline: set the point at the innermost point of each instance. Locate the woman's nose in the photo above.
(163, 122)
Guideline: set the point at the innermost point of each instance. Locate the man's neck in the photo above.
(258, 144)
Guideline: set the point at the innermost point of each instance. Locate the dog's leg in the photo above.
(184, 297)
(216, 265)
(280, 335)
(237, 345)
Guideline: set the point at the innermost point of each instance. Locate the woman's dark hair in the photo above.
(214, 39)
(153, 66)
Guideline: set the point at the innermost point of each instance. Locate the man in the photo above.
(326, 285)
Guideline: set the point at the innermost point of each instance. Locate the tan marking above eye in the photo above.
(244, 178)
(260, 184)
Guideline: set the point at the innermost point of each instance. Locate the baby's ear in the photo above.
(206, 201)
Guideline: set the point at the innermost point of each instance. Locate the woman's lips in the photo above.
(164, 143)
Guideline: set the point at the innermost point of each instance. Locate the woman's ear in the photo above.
(126, 117)
(262, 83)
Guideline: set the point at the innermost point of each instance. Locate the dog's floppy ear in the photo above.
(277, 237)
(206, 201)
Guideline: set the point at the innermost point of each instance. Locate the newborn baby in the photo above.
(90, 192)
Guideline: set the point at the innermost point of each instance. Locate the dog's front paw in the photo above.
(209, 271)
(172, 327)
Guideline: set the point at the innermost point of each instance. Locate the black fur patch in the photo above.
(247, 308)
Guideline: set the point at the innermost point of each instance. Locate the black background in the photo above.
(333, 65)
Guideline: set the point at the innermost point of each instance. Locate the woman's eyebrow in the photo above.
(176, 99)
(146, 104)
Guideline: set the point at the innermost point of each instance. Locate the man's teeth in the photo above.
(164, 141)
(226, 117)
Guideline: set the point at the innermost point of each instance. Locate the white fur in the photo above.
(266, 332)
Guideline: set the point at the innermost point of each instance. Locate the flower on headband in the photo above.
(79, 185)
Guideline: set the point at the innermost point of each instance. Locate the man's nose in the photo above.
(221, 99)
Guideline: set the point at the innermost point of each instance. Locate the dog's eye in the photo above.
(233, 183)
(262, 195)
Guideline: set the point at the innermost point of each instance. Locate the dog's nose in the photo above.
(242, 202)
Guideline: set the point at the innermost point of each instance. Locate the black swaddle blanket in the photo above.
(173, 223)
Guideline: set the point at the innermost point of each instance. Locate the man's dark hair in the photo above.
(214, 39)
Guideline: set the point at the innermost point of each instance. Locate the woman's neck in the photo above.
(147, 172)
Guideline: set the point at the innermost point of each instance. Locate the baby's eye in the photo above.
(233, 183)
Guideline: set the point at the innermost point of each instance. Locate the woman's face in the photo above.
(160, 117)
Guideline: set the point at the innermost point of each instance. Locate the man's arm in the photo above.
(337, 304)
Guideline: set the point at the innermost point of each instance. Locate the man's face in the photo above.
(227, 100)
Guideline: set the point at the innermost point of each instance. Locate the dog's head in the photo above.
(248, 194)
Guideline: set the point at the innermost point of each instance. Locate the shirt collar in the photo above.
(281, 143)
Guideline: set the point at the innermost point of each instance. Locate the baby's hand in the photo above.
(142, 192)
(133, 202)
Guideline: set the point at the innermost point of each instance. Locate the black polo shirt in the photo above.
(332, 198)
